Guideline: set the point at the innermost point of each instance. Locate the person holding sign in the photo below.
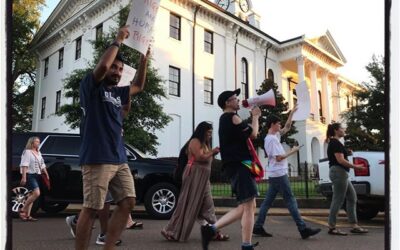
(278, 178)
(102, 154)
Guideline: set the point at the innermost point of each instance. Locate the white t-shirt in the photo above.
(273, 147)
(35, 163)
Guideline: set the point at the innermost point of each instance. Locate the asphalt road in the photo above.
(52, 233)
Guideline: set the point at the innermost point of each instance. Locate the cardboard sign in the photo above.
(141, 21)
(303, 102)
(127, 76)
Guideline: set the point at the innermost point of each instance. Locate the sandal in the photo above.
(23, 216)
(136, 225)
(359, 230)
(335, 231)
(167, 236)
(30, 218)
(221, 237)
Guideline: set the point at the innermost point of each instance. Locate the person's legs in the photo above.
(104, 215)
(339, 178)
(118, 221)
(122, 190)
(84, 228)
(267, 203)
(291, 202)
(248, 220)
(29, 202)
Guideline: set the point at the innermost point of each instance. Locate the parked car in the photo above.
(153, 178)
(368, 183)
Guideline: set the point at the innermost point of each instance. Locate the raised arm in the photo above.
(288, 123)
(109, 55)
(137, 84)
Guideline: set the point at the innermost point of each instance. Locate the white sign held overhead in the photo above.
(303, 102)
(141, 21)
(128, 74)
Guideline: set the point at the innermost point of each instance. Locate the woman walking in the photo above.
(31, 167)
(339, 167)
(195, 200)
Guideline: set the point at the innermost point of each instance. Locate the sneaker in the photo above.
(207, 234)
(71, 224)
(307, 232)
(259, 231)
(251, 247)
(101, 240)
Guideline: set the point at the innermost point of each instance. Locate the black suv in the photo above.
(153, 178)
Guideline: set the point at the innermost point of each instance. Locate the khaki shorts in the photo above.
(97, 179)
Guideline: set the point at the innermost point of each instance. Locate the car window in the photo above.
(62, 145)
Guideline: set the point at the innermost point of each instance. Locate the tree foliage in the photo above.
(365, 121)
(279, 110)
(25, 22)
(146, 113)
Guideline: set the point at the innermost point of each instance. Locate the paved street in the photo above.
(52, 233)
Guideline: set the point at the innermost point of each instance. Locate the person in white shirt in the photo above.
(31, 167)
(278, 179)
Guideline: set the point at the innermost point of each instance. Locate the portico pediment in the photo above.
(328, 45)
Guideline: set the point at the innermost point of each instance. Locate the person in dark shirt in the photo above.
(102, 154)
(233, 135)
(339, 167)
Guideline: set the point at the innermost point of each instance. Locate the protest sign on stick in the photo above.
(303, 102)
(141, 21)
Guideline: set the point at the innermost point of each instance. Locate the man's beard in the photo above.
(113, 80)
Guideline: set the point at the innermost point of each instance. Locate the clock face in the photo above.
(223, 4)
(244, 5)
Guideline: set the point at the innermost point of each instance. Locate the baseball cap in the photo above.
(224, 96)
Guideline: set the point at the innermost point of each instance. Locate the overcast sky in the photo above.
(357, 26)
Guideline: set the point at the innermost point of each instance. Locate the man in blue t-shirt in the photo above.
(102, 153)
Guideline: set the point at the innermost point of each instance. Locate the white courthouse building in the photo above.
(200, 49)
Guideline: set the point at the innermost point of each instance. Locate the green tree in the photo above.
(25, 22)
(365, 121)
(279, 110)
(146, 113)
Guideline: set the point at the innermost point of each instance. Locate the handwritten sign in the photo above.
(128, 74)
(303, 102)
(141, 21)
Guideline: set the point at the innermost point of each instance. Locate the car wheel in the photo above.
(51, 207)
(18, 199)
(364, 212)
(160, 200)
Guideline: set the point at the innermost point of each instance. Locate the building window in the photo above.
(46, 66)
(208, 41)
(245, 79)
(174, 81)
(43, 111)
(58, 100)
(78, 48)
(348, 101)
(99, 31)
(271, 75)
(175, 26)
(294, 97)
(208, 90)
(320, 103)
(60, 58)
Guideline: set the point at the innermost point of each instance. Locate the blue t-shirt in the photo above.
(101, 123)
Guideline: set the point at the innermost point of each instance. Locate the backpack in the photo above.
(182, 162)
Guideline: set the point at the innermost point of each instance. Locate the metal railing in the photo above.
(303, 181)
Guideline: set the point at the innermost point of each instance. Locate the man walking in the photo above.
(233, 135)
(102, 154)
(278, 178)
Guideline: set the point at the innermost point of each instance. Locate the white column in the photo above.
(300, 68)
(325, 97)
(335, 98)
(314, 91)
(230, 58)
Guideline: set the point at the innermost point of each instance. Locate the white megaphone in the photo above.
(267, 98)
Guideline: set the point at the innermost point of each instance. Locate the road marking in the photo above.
(323, 222)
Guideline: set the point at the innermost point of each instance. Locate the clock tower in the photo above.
(242, 9)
